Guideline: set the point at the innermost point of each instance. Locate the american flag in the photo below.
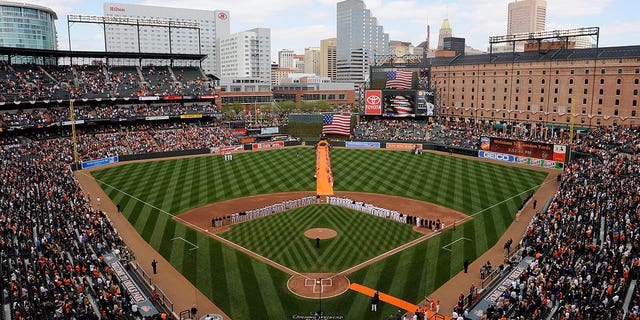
(402, 106)
(336, 124)
(399, 79)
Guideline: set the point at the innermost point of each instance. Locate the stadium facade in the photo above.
(214, 24)
(596, 86)
(27, 26)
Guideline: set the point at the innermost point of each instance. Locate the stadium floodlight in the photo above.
(139, 22)
(585, 31)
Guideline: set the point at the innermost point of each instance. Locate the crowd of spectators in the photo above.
(95, 142)
(25, 83)
(52, 240)
(467, 135)
(391, 129)
(586, 244)
(53, 116)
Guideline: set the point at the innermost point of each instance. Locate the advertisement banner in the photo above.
(522, 160)
(521, 148)
(151, 118)
(99, 162)
(149, 98)
(495, 293)
(559, 152)
(172, 98)
(269, 130)
(496, 156)
(191, 116)
(209, 96)
(549, 164)
(373, 102)
(403, 146)
(145, 306)
(68, 123)
(238, 132)
(535, 162)
(227, 149)
(247, 140)
(425, 103)
(268, 145)
(362, 144)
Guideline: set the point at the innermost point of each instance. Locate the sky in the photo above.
(298, 24)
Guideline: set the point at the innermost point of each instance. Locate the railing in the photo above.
(163, 298)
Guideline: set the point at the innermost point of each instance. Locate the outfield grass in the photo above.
(245, 288)
(360, 237)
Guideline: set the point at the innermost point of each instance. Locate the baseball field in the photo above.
(154, 196)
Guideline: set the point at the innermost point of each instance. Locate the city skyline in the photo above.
(304, 23)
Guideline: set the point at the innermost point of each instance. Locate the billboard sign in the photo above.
(373, 102)
(425, 103)
(519, 148)
(99, 162)
(362, 144)
(496, 156)
(403, 146)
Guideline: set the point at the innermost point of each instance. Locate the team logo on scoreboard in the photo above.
(222, 16)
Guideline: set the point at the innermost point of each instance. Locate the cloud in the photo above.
(297, 38)
(575, 8)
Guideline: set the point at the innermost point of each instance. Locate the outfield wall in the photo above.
(393, 145)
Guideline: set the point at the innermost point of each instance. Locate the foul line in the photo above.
(187, 241)
(215, 236)
(463, 238)
(344, 272)
(425, 237)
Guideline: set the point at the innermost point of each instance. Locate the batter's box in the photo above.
(318, 284)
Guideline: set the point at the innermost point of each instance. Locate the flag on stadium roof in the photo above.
(336, 124)
(402, 106)
(399, 79)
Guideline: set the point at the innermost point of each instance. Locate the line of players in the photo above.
(385, 213)
(263, 212)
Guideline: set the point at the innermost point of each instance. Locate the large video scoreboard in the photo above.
(399, 92)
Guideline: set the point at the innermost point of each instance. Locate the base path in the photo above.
(324, 177)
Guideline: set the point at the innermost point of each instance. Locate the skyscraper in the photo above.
(328, 58)
(312, 60)
(124, 38)
(246, 56)
(527, 16)
(445, 32)
(285, 58)
(359, 39)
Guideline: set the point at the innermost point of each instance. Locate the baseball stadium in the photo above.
(142, 191)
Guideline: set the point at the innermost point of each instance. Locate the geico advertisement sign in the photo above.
(496, 156)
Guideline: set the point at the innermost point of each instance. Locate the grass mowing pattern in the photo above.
(360, 237)
(246, 288)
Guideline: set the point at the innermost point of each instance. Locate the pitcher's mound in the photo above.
(322, 233)
(318, 285)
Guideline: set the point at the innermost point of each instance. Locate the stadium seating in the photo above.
(51, 240)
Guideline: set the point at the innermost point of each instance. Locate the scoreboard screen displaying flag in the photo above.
(398, 103)
(407, 103)
(399, 78)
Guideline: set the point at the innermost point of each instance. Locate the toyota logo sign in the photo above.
(373, 100)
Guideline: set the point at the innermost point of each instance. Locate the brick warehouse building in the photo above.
(542, 86)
